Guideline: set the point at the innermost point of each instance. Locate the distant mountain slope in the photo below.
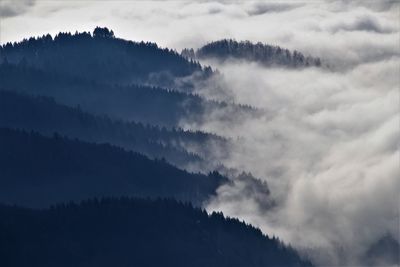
(46, 116)
(134, 232)
(36, 171)
(245, 50)
(384, 252)
(99, 56)
(134, 103)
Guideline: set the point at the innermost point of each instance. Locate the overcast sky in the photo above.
(328, 142)
(309, 25)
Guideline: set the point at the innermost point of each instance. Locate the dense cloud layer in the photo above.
(327, 145)
(327, 139)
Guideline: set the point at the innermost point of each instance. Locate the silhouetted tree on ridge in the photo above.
(103, 32)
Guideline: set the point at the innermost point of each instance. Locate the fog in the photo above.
(327, 142)
(327, 145)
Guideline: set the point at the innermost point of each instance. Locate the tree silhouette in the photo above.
(103, 32)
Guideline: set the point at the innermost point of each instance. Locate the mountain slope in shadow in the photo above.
(134, 232)
(36, 171)
(99, 56)
(138, 103)
(44, 115)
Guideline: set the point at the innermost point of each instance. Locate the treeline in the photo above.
(37, 171)
(245, 50)
(134, 232)
(44, 115)
(101, 57)
(139, 103)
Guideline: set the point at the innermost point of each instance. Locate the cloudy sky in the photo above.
(310, 26)
(327, 142)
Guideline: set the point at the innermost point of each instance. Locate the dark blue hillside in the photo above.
(44, 115)
(133, 103)
(134, 232)
(36, 171)
(268, 55)
(99, 56)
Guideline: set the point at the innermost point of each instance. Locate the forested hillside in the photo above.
(208, 133)
(99, 56)
(245, 50)
(92, 116)
(134, 232)
(44, 115)
(37, 171)
(139, 103)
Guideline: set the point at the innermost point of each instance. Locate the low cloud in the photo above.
(263, 8)
(364, 23)
(10, 8)
(377, 6)
(326, 144)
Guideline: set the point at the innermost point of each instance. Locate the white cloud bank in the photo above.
(328, 147)
(328, 142)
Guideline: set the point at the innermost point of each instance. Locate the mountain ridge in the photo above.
(265, 54)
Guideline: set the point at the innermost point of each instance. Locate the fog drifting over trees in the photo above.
(324, 140)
